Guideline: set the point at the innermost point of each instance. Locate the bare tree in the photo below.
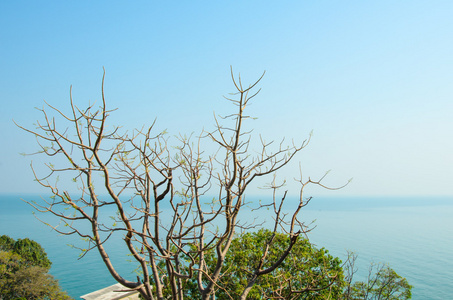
(159, 194)
(381, 283)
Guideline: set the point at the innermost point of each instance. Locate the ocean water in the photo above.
(413, 235)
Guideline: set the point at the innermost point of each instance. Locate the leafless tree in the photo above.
(381, 283)
(159, 193)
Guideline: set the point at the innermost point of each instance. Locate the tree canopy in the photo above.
(24, 268)
(31, 252)
(307, 273)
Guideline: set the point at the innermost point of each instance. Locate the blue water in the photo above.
(413, 235)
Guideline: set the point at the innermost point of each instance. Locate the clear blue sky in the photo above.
(372, 79)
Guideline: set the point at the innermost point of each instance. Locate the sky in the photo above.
(373, 80)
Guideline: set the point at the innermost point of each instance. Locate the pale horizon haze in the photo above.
(373, 80)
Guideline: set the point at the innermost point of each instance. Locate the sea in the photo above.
(413, 235)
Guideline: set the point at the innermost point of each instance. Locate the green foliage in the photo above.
(313, 272)
(6, 243)
(24, 270)
(385, 283)
(31, 252)
(307, 273)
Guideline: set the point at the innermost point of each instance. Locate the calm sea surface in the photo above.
(413, 235)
